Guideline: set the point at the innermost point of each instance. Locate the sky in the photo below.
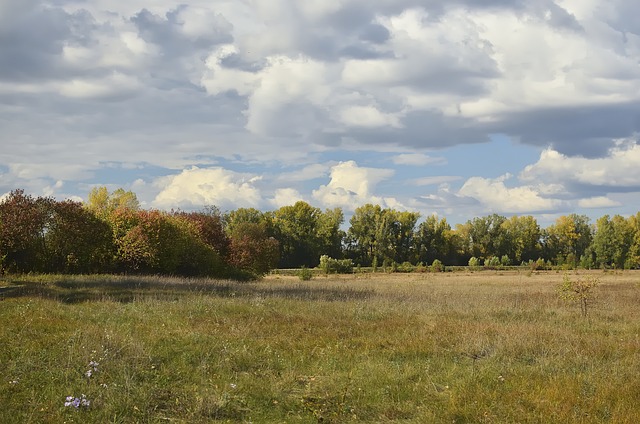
(461, 108)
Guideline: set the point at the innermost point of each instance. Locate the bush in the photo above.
(305, 274)
(492, 262)
(405, 267)
(335, 266)
(474, 262)
(437, 266)
(581, 291)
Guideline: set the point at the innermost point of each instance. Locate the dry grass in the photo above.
(456, 347)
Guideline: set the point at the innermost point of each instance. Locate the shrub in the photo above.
(335, 266)
(305, 274)
(405, 267)
(581, 291)
(492, 262)
(437, 266)
(474, 262)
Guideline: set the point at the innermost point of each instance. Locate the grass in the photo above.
(484, 347)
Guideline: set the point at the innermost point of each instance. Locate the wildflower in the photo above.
(16, 381)
(93, 367)
(233, 386)
(77, 402)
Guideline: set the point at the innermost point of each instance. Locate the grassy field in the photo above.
(484, 347)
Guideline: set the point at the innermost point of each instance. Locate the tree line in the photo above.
(110, 233)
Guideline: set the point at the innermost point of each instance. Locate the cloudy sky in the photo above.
(460, 108)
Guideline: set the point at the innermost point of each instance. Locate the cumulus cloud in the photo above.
(286, 197)
(195, 188)
(279, 84)
(597, 202)
(495, 196)
(618, 169)
(352, 186)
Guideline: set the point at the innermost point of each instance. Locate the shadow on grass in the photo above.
(74, 289)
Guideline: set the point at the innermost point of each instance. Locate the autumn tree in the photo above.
(252, 245)
(102, 203)
(76, 240)
(568, 239)
(24, 222)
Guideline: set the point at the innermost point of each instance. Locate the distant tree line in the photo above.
(110, 233)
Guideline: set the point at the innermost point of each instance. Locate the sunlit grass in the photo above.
(452, 347)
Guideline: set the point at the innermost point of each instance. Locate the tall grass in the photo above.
(454, 347)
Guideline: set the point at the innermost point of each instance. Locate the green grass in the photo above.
(492, 347)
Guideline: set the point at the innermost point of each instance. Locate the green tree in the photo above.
(435, 240)
(612, 241)
(362, 244)
(522, 238)
(384, 234)
(305, 233)
(633, 260)
(485, 236)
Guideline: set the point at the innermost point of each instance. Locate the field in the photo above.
(483, 347)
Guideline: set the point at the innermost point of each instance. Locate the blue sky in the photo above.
(460, 108)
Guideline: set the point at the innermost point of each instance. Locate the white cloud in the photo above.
(115, 85)
(598, 202)
(195, 188)
(417, 159)
(618, 169)
(286, 197)
(495, 196)
(352, 186)
(368, 116)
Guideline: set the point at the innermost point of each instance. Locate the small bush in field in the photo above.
(335, 266)
(581, 290)
(437, 266)
(405, 267)
(305, 274)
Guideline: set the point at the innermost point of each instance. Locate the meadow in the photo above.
(455, 347)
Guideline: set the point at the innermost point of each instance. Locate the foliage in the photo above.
(23, 225)
(580, 290)
(305, 274)
(437, 266)
(474, 262)
(252, 248)
(102, 203)
(381, 235)
(492, 262)
(305, 233)
(329, 265)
